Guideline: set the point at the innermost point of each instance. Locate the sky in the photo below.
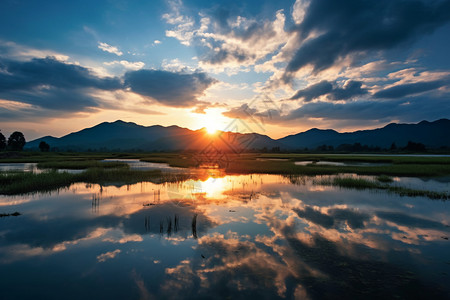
(271, 67)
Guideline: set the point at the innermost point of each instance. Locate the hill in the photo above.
(432, 134)
(127, 136)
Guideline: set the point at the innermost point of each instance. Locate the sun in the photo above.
(211, 129)
(210, 123)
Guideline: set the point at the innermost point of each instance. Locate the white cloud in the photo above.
(19, 52)
(237, 45)
(127, 64)
(108, 48)
(299, 9)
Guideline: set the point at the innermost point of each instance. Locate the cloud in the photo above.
(126, 64)
(15, 51)
(331, 31)
(224, 38)
(44, 72)
(354, 113)
(108, 48)
(349, 90)
(403, 90)
(240, 112)
(411, 110)
(313, 91)
(51, 84)
(49, 87)
(169, 88)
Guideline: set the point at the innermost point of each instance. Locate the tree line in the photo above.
(15, 142)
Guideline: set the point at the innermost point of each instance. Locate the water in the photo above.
(136, 164)
(25, 167)
(246, 236)
(336, 163)
(31, 167)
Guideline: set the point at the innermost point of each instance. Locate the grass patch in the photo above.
(80, 165)
(362, 184)
(385, 178)
(24, 182)
(16, 183)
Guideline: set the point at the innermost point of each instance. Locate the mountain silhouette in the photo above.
(432, 134)
(128, 136)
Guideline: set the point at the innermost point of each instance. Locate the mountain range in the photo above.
(127, 136)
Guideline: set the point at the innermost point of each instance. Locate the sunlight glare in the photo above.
(211, 123)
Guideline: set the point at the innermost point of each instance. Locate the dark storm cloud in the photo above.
(51, 84)
(169, 88)
(52, 87)
(413, 109)
(354, 26)
(409, 89)
(313, 91)
(224, 55)
(224, 21)
(54, 99)
(363, 111)
(19, 75)
(348, 91)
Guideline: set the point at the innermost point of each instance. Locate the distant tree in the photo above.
(2, 142)
(44, 147)
(417, 147)
(357, 147)
(322, 148)
(16, 141)
(276, 149)
(393, 146)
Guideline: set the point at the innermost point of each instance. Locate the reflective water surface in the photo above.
(337, 163)
(136, 164)
(245, 237)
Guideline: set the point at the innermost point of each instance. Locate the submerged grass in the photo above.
(362, 184)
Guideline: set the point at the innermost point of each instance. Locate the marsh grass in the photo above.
(362, 184)
(394, 159)
(248, 163)
(81, 164)
(23, 182)
(385, 178)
